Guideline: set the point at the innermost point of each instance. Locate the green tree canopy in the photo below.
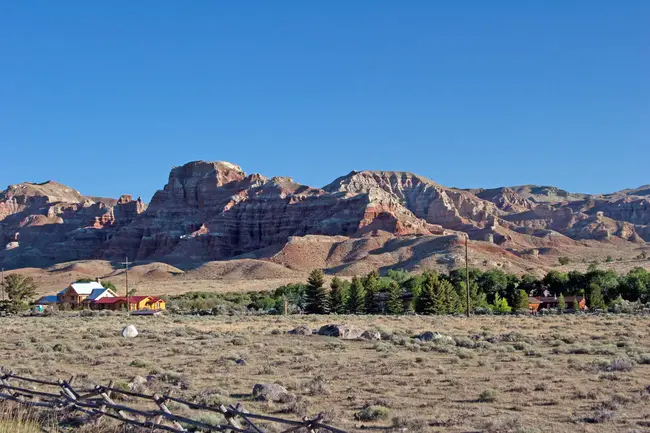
(394, 302)
(338, 295)
(561, 303)
(317, 297)
(20, 290)
(555, 281)
(500, 305)
(356, 297)
(595, 299)
(371, 285)
(521, 301)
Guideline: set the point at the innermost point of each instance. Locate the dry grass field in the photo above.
(502, 374)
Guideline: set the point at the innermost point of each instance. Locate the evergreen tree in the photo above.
(19, 289)
(337, 296)
(394, 303)
(595, 297)
(449, 297)
(521, 301)
(561, 304)
(500, 305)
(371, 285)
(356, 297)
(576, 306)
(426, 303)
(317, 297)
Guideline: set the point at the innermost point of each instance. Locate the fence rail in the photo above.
(98, 402)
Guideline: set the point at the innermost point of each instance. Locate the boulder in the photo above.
(436, 337)
(271, 392)
(129, 332)
(371, 335)
(346, 332)
(301, 330)
(138, 384)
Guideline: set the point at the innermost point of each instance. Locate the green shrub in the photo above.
(371, 413)
(488, 396)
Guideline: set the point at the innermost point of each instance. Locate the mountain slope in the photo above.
(214, 211)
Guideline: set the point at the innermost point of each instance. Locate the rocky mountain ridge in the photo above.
(215, 211)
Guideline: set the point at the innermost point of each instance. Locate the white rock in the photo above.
(129, 332)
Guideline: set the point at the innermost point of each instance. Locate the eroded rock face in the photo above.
(214, 211)
(54, 223)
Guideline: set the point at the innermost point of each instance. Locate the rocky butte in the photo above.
(215, 211)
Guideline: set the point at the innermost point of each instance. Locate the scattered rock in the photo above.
(301, 330)
(129, 332)
(271, 392)
(138, 384)
(346, 332)
(436, 337)
(371, 335)
(240, 362)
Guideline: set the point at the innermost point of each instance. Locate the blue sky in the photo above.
(108, 96)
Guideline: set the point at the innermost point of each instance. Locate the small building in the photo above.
(545, 302)
(135, 303)
(79, 295)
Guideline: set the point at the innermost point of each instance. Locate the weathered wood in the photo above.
(98, 419)
(99, 402)
(160, 401)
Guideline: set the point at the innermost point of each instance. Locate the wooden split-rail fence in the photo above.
(99, 402)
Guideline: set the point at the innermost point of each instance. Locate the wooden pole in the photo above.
(467, 273)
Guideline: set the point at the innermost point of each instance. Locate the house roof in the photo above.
(98, 292)
(134, 299)
(46, 300)
(83, 288)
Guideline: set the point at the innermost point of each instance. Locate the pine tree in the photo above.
(427, 302)
(450, 297)
(424, 304)
(337, 296)
(595, 298)
(317, 297)
(394, 303)
(356, 297)
(439, 297)
(521, 301)
(371, 284)
(561, 304)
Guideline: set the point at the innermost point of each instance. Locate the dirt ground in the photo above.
(516, 374)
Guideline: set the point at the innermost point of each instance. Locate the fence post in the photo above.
(102, 408)
(230, 417)
(109, 400)
(160, 401)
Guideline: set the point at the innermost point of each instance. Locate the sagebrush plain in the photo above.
(583, 373)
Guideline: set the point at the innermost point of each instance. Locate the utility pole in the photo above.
(126, 275)
(467, 272)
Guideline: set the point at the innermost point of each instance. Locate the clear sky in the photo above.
(107, 96)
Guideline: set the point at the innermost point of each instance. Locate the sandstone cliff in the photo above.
(215, 211)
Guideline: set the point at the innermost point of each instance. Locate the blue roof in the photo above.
(47, 300)
(95, 293)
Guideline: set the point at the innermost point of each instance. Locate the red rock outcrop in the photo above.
(213, 210)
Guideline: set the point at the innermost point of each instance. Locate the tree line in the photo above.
(494, 290)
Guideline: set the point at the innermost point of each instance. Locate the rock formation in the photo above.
(215, 211)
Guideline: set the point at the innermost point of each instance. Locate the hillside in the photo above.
(214, 221)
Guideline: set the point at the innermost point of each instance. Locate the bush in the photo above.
(488, 396)
(371, 413)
